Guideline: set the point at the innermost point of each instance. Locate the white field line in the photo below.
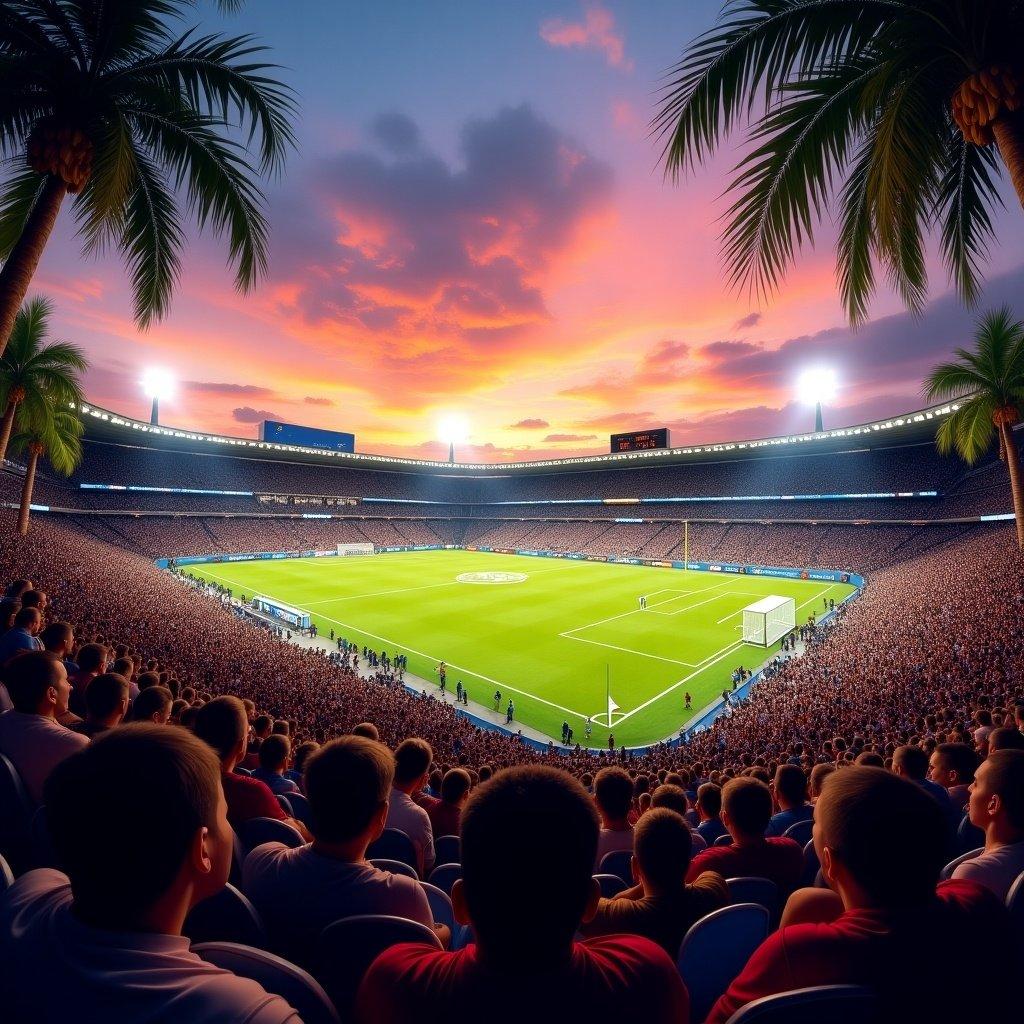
(814, 596)
(628, 650)
(690, 607)
(381, 593)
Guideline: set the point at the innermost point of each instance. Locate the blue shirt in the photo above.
(784, 819)
(16, 640)
(711, 830)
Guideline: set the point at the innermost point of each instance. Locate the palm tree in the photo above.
(100, 99)
(34, 371)
(892, 115)
(990, 379)
(54, 430)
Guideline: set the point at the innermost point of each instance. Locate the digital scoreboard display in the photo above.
(641, 440)
(306, 437)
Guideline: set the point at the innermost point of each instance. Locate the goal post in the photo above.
(355, 549)
(768, 620)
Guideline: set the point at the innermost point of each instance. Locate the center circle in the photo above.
(491, 577)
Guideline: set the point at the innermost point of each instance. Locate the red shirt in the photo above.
(616, 978)
(902, 955)
(778, 859)
(445, 819)
(249, 798)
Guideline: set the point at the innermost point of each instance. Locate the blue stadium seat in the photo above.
(300, 807)
(227, 916)
(16, 810)
(697, 843)
(396, 867)
(716, 949)
(947, 871)
(239, 770)
(611, 885)
(836, 1004)
(444, 913)
(267, 830)
(286, 804)
(346, 949)
(749, 889)
(1015, 905)
(725, 840)
(811, 865)
(6, 874)
(448, 850)
(393, 844)
(968, 836)
(800, 832)
(281, 977)
(618, 862)
(444, 876)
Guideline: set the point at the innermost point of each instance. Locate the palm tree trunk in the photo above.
(1016, 483)
(26, 492)
(1008, 130)
(21, 265)
(5, 428)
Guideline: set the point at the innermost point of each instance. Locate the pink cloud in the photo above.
(596, 31)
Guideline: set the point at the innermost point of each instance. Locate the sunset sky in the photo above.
(475, 223)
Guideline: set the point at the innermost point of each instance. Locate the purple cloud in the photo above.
(247, 414)
(529, 424)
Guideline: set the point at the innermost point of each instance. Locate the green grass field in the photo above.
(546, 640)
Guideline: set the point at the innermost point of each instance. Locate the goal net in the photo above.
(768, 620)
(355, 549)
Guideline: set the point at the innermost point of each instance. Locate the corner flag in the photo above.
(612, 706)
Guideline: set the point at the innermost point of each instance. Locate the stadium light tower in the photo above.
(815, 386)
(453, 428)
(157, 383)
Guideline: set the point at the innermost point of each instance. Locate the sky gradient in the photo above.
(474, 223)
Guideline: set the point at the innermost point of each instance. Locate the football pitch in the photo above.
(547, 633)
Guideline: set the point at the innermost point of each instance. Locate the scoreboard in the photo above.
(641, 440)
(306, 437)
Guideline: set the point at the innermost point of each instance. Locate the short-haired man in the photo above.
(92, 662)
(273, 756)
(301, 891)
(22, 636)
(445, 813)
(412, 768)
(997, 808)
(819, 773)
(59, 638)
(883, 919)
(952, 766)
(138, 819)
(790, 787)
(709, 811)
(524, 922)
(613, 794)
(30, 735)
(661, 905)
(222, 723)
(746, 810)
(154, 704)
(106, 702)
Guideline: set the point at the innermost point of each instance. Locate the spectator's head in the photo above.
(37, 684)
(106, 699)
(952, 764)
(521, 818)
(28, 619)
(16, 589)
(152, 705)
(613, 793)
(262, 725)
(222, 724)
(910, 762)
(881, 839)
(709, 801)
(156, 789)
(147, 679)
(746, 808)
(412, 764)
(124, 666)
(274, 751)
(455, 786)
(303, 752)
(662, 845)
(671, 797)
(790, 786)
(348, 782)
(34, 599)
(1005, 738)
(869, 759)
(92, 658)
(367, 730)
(819, 773)
(59, 638)
(997, 796)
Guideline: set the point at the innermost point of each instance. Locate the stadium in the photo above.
(499, 592)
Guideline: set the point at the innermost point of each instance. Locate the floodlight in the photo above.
(454, 429)
(816, 385)
(157, 383)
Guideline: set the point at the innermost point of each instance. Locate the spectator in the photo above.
(884, 919)
(746, 810)
(153, 704)
(709, 810)
(366, 729)
(952, 766)
(1005, 738)
(275, 751)
(524, 921)
(29, 734)
(59, 638)
(92, 662)
(819, 773)
(23, 636)
(445, 814)
(613, 794)
(412, 766)
(301, 891)
(661, 906)
(997, 808)
(303, 752)
(138, 819)
(106, 702)
(222, 724)
(912, 763)
(791, 798)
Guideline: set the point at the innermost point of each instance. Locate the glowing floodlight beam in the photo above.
(157, 383)
(453, 428)
(815, 386)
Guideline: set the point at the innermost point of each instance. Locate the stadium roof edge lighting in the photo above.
(911, 427)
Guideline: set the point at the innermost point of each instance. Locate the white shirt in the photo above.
(405, 814)
(55, 968)
(997, 870)
(609, 841)
(36, 745)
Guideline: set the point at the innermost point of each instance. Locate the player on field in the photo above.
(588, 728)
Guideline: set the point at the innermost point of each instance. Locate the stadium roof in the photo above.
(911, 428)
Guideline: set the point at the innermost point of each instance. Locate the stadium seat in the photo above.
(444, 913)
(300, 807)
(286, 804)
(393, 844)
(947, 871)
(800, 832)
(346, 949)
(239, 770)
(811, 865)
(43, 853)
(227, 916)
(6, 874)
(836, 1004)
(968, 836)
(444, 876)
(267, 830)
(1015, 905)
(697, 844)
(448, 850)
(16, 810)
(749, 889)
(281, 977)
(611, 885)
(725, 840)
(716, 949)
(618, 862)
(396, 867)
(237, 857)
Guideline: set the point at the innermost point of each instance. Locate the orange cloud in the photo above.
(595, 32)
